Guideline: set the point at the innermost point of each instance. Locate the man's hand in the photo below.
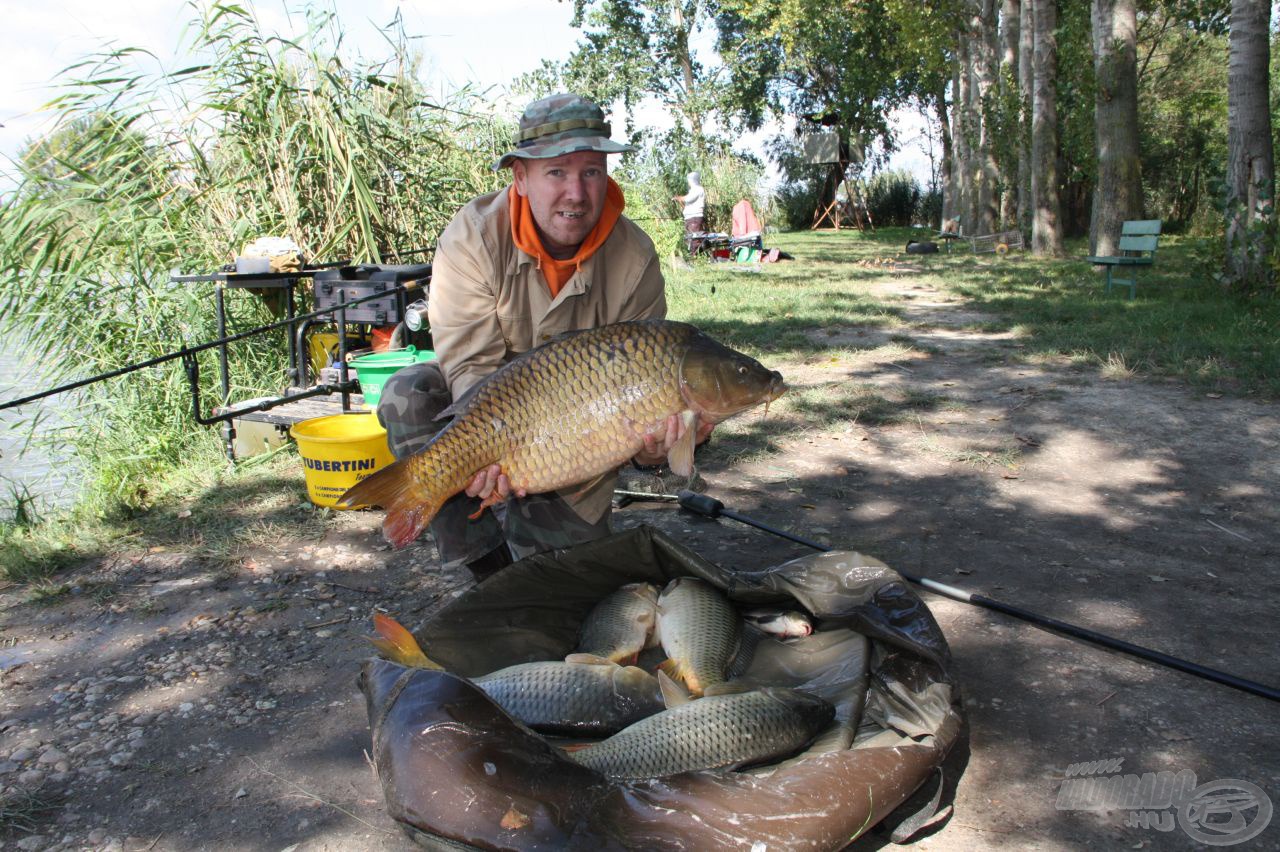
(491, 481)
(657, 444)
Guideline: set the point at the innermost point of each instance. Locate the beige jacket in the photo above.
(489, 302)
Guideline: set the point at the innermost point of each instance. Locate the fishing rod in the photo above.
(187, 352)
(702, 504)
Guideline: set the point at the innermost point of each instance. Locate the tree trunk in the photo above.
(1118, 193)
(1010, 33)
(1046, 233)
(960, 137)
(983, 53)
(1250, 167)
(948, 179)
(973, 138)
(1010, 29)
(1026, 84)
(692, 115)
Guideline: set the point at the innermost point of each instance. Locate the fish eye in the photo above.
(742, 369)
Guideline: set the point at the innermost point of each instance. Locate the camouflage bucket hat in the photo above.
(558, 125)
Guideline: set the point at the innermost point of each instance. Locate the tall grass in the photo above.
(892, 197)
(150, 172)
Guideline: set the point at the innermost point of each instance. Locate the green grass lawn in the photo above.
(1180, 325)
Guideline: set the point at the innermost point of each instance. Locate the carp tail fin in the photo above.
(397, 644)
(409, 507)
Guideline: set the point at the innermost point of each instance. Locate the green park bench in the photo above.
(1138, 239)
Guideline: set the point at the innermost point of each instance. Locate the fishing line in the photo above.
(702, 504)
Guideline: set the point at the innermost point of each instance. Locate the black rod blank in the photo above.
(710, 507)
(188, 351)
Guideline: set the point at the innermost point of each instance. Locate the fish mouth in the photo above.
(777, 387)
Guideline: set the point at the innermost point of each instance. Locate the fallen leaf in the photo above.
(840, 470)
(1030, 442)
(185, 513)
(513, 819)
(1214, 395)
(807, 506)
(963, 571)
(1156, 578)
(1010, 476)
(1175, 736)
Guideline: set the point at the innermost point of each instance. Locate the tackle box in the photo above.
(356, 282)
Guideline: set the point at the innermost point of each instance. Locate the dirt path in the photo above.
(166, 704)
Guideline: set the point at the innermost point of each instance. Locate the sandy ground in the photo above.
(201, 707)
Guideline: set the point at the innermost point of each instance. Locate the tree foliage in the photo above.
(852, 62)
(635, 49)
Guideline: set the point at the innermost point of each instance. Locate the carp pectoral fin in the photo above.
(394, 488)
(681, 673)
(493, 499)
(725, 689)
(397, 644)
(673, 694)
(589, 660)
(680, 457)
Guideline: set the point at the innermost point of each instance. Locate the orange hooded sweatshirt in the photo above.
(525, 234)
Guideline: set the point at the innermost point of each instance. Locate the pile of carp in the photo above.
(683, 714)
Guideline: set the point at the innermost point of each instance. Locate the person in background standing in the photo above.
(695, 210)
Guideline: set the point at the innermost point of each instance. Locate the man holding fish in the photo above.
(551, 253)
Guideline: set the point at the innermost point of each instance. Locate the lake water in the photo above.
(49, 476)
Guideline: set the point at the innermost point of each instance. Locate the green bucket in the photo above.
(374, 370)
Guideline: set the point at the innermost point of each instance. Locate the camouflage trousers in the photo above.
(411, 401)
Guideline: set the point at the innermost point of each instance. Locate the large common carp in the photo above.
(700, 631)
(621, 625)
(584, 696)
(570, 410)
(711, 733)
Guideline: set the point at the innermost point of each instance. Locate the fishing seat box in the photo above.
(356, 282)
(458, 772)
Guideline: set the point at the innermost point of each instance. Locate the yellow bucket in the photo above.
(338, 451)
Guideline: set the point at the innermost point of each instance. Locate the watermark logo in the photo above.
(1221, 813)
(1225, 812)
